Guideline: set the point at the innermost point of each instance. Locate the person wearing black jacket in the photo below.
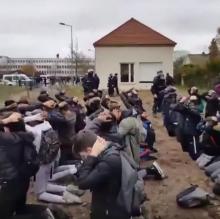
(88, 83)
(96, 81)
(159, 84)
(169, 80)
(189, 136)
(13, 184)
(212, 103)
(101, 173)
(115, 83)
(110, 85)
(63, 120)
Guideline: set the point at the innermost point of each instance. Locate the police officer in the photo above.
(159, 84)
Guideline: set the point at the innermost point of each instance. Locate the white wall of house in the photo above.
(108, 60)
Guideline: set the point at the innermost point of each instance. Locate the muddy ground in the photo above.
(181, 171)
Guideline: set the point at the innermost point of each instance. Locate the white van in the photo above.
(13, 79)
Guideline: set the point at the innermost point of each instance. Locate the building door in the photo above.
(147, 72)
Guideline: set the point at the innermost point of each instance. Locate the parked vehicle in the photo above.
(16, 79)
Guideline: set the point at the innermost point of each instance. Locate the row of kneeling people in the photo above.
(194, 120)
(66, 146)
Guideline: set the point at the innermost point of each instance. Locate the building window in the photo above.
(127, 72)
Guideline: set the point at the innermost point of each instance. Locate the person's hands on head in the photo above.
(183, 99)
(13, 105)
(39, 117)
(50, 104)
(117, 113)
(23, 105)
(144, 115)
(75, 99)
(99, 146)
(44, 115)
(105, 117)
(13, 118)
(62, 104)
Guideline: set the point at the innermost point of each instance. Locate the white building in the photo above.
(135, 52)
(59, 67)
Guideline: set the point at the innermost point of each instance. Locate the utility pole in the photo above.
(72, 51)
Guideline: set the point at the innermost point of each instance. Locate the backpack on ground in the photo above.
(193, 197)
(132, 194)
(49, 146)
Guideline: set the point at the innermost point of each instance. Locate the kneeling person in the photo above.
(101, 173)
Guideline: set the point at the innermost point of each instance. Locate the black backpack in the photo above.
(31, 163)
(49, 146)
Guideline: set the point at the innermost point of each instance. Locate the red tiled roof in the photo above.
(134, 33)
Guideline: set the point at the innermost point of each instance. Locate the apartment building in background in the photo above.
(58, 67)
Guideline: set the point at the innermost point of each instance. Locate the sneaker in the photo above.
(49, 214)
(158, 168)
(153, 172)
(69, 198)
(75, 190)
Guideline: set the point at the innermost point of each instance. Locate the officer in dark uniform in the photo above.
(110, 85)
(159, 84)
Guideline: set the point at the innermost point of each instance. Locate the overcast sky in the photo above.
(30, 28)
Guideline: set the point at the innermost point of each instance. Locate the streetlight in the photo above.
(93, 56)
(71, 32)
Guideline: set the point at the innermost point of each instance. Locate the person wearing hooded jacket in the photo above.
(189, 137)
(63, 120)
(101, 173)
(12, 140)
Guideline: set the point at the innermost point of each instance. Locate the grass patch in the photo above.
(76, 91)
(184, 89)
(9, 91)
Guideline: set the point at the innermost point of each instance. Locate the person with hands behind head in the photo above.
(105, 117)
(13, 118)
(101, 173)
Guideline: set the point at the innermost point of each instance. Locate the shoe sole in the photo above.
(156, 165)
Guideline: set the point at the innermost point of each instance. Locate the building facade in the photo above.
(58, 67)
(136, 53)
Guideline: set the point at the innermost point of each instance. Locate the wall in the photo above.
(108, 61)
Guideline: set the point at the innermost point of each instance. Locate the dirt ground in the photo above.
(181, 171)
